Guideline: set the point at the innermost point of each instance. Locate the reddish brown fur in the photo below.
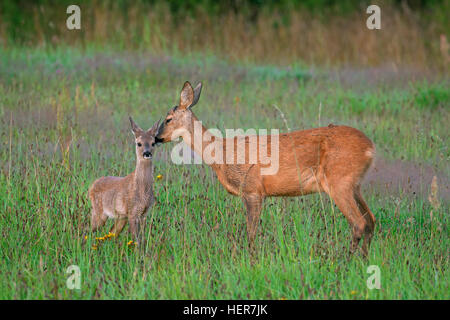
(331, 159)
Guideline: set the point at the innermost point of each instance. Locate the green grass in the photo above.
(196, 237)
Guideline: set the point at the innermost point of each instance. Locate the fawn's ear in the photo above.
(197, 91)
(186, 96)
(155, 127)
(137, 131)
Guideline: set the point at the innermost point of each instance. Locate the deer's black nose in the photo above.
(157, 142)
(147, 154)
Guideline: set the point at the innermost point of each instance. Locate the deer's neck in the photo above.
(143, 176)
(199, 138)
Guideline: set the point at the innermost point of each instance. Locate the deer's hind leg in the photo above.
(98, 217)
(370, 219)
(343, 196)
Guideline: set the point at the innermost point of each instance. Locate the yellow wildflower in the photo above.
(353, 292)
(159, 177)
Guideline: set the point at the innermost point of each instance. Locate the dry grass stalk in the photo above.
(433, 196)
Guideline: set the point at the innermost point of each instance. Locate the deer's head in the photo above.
(145, 140)
(179, 119)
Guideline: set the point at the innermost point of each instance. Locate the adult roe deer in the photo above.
(330, 159)
(126, 198)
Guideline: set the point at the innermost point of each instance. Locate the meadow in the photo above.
(64, 123)
(65, 98)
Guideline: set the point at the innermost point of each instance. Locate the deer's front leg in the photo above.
(136, 227)
(253, 203)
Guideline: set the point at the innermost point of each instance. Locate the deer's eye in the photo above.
(168, 120)
(139, 144)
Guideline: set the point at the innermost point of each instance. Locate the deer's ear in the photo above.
(197, 91)
(155, 127)
(137, 131)
(186, 96)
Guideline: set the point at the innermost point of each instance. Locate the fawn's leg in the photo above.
(95, 224)
(344, 198)
(135, 221)
(370, 219)
(117, 228)
(98, 219)
(253, 204)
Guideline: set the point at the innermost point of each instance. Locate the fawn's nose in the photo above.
(147, 154)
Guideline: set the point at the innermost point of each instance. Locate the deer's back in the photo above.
(307, 158)
(110, 194)
(310, 159)
(107, 183)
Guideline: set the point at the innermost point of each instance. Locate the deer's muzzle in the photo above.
(147, 155)
(158, 141)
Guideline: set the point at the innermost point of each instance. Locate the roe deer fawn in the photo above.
(127, 198)
(330, 159)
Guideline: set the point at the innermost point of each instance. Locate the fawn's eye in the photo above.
(139, 144)
(168, 120)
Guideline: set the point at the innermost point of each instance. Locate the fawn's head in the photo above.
(179, 118)
(145, 140)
